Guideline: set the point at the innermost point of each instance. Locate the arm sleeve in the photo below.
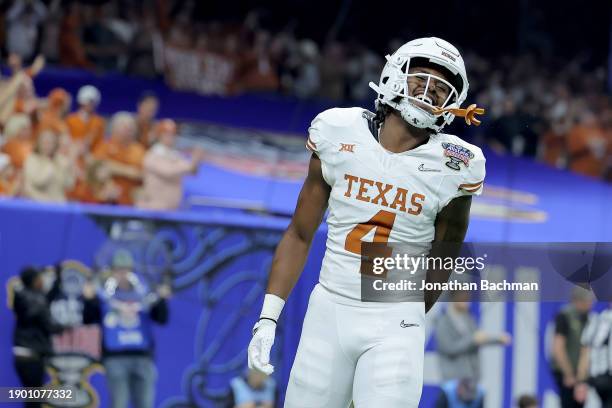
(561, 325)
(15, 11)
(92, 311)
(474, 176)
(159, 311)
(166, 168)
(588, 334)
(468, 181)
(320, 144)
(241, 392)
(442, 401)
(449, 344)
(36, 173)
(269, 391)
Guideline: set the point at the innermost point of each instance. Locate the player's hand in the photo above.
(260, 346)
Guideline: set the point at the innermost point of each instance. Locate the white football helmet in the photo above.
(393, 86)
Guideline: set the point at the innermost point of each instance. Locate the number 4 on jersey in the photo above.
(381, 222)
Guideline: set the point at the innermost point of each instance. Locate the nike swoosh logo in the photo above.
(423, 168)
(404, 325)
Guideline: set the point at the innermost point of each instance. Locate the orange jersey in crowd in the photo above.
(554, 148)
(80, 129)
(18, 150)
(51, 120)
(132, 155)
(582, 159)
(10, 185)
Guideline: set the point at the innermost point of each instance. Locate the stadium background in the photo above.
(217, 248)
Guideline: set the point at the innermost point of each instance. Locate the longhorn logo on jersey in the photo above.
(457, 154)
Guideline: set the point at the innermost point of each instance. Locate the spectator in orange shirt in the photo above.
(100, 187)
(164, 169)
(587, 146)
(147, 109)
(18, 139)
(10, 179)
(52, 117)
(85, 126)
(123, 155)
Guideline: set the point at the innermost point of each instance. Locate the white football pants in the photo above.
(367, 352)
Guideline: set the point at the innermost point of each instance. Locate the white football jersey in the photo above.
(380, 196)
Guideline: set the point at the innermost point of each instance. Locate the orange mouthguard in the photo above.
(468, 113)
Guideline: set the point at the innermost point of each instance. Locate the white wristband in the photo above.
(272, 307)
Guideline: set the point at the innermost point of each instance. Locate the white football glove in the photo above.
(260, 346)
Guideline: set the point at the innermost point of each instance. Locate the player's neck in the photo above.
(397, 136)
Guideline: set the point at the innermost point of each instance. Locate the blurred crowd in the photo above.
(49, 154)
(557, 111)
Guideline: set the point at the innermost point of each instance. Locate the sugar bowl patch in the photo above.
(456, 154)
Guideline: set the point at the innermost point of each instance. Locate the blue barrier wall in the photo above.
(218, 265)
(217, 262)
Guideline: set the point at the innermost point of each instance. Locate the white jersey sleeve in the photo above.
(469, 179)
(320, 136)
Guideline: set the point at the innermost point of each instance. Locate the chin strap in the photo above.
(468, 113)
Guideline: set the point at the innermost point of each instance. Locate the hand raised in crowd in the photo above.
(37, 65)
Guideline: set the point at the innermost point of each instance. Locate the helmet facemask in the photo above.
(418, 110)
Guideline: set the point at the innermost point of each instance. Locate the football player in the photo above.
(388, 176)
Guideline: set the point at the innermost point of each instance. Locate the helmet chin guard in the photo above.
(413, 114)
(419, 110)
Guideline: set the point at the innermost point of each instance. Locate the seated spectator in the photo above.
(123, 155)
(18, 140)
(164, 169)
(84, 125)
(145, 117)
(527, 401)
(253, 389)
(52, 116)
(464, 393)
(10, 180)
(47, 174)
